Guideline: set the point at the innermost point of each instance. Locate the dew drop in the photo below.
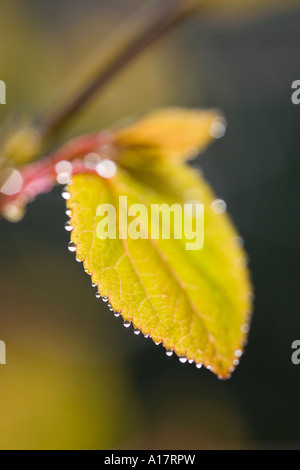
(245, 329)
(72, 247)
(105, 299)
(199, 365)
(13, 183)
(183, 359)
(191, 361)
(91, 160)
(68, 212)
(231, 369)
(94, 285)
(78, 260)
(63, 167)
(238, 353)
(236, 362)
(66, 195)
(13, 212)
(106, 169)
(218, 206)
(146, 336)
(218, 127)
(157, 343)
(63, 178)
(117, 314)
(126, 323)
(68, 227)
(98, 295)
(136, 331)
(169, 352)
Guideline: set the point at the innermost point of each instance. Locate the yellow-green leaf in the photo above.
(196, 303)
(172, 133)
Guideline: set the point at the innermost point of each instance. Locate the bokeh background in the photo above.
(75, 378)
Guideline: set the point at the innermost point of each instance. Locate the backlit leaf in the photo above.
(196, 303)
(175, 133)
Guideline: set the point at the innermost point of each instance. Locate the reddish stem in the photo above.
(41, 176)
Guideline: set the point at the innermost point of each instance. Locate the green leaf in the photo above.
(196, 303)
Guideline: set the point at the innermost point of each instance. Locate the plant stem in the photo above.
(149, 27)
(40, 177)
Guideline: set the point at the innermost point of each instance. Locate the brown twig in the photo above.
(149, 27)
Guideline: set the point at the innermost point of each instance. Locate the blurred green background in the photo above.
(75, 378)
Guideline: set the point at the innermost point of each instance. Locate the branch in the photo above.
(148, 27)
